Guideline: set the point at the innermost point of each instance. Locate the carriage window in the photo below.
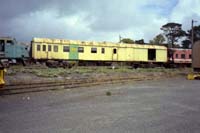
(80, 49)
(55, 48)
(102, 50)
(38, 47)
(65, 48)
(93, 50)
(43, 47)
(182, 56)
(9, 42)
(176, 55)
(114, 51)
(49, 47)
(2, 45)
(190, 56)
(2, 42)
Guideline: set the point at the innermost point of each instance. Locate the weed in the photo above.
(108, 93)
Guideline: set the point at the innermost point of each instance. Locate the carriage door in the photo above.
(73, 54)
(152, 54)
(114, 54)
(49, 51)
(44, 50)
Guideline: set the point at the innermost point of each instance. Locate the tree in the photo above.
(196, 36)
(173, 32)
(196, 33)
(127, 40)
(158, 40)
(141, 41)
(186, 43)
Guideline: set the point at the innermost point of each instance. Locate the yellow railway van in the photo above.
(70, 50)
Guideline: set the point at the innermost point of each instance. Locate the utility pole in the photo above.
(192, 41)
(120, 38)
(192, 25)
(192, 38)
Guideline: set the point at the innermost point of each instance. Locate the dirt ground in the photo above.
(21, 74)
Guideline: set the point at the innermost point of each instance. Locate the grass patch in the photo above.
(55, 72)
(108, 93)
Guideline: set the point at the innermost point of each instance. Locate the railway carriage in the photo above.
(61, 52)
(12, 51)
(95, 52)
(179, 57)
(182, 56)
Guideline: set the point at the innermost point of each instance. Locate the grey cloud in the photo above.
(14, 8)
(186, 22)
(11, 10)
(110, 17)
(18, 19)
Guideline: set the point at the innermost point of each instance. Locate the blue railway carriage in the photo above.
(12, 51)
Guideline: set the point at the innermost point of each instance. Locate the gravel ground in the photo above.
(18, 75)
(163, 106)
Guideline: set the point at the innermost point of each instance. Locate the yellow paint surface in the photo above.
(2, 82)
(125, 52)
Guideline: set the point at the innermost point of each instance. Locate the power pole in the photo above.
(192, 25)
(192, 41)
(120, 38)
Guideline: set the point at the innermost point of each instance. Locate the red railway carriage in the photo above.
(181, 56)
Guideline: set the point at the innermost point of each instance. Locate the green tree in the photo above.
(127, 40)
(173, 32)
(141, 41)
(186, 43)
(196, 33)
(196, 36)
(158, 40)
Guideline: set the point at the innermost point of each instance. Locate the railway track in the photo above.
(21, 88)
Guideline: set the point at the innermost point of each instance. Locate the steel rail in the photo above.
(65, 84)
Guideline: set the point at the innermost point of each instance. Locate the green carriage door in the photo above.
(73, 54)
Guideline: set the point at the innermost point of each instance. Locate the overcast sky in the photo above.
(98, 20)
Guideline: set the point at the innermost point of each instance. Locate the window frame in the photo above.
(93, 50)
(55, 48)
(66, 49)
(44, 48)
(190, 56)
(103, 50)
(49, 48)
(80, 49)
(38, 47)
(182, 56)
(9, 42)
(114, 51)
(177, 56)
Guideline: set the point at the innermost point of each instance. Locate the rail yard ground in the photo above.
(37, 78)
(30, 74)
(170, 105)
